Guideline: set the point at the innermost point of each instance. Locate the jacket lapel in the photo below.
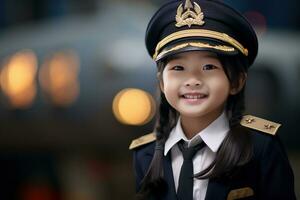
(168, 174)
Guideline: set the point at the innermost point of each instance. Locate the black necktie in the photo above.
(186, 177)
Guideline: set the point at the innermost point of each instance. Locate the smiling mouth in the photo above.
(194, 96)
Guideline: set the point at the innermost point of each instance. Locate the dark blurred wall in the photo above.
(279, 14)
(14, 12)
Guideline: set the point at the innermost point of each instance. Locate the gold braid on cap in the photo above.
(199, 33)
(197, 44)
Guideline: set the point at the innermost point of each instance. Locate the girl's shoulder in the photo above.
(264, 136)
(143, 148)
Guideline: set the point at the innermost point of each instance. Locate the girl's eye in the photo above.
(177, 68)
(209, 67)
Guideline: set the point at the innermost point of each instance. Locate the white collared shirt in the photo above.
(213, 135)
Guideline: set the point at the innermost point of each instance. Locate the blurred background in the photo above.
(77, 85)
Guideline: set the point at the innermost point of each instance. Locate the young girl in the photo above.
(202, 146)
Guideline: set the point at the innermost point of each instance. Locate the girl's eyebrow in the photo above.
(175, 57)
(179, 56)
(211, 56)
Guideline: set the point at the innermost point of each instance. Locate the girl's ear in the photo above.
(237, 88)
(160, 79)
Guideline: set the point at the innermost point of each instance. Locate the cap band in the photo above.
(196, 44)
(199, 33)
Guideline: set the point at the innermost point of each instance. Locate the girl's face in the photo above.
(195, 84)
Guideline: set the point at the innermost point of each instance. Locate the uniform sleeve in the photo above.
(137, 171)
(276, 175)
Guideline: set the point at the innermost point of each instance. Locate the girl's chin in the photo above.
(191, 113)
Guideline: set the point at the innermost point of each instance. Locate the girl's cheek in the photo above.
(217, 81)
(169, 77)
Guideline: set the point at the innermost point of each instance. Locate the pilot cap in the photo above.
(195, 25)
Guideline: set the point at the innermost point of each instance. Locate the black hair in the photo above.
(236, 149)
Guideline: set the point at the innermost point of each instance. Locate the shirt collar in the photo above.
(213, 135)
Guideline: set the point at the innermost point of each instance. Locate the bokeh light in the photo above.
(58, 77)
(133, 106)
(17, 78)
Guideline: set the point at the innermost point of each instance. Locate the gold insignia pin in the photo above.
(269, 126)
(249, 120)
(191, 16)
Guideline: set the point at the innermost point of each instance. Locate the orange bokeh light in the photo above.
(133, 106)
(18, 78)
(59, 78)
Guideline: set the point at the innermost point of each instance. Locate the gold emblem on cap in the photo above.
(189, 17)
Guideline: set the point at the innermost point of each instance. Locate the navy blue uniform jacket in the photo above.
(267, 176)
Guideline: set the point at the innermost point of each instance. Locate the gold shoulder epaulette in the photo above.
(260, 124)
(142, 140)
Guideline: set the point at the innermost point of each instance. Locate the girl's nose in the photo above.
(191, 82)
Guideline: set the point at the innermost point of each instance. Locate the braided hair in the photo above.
(235, 150)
